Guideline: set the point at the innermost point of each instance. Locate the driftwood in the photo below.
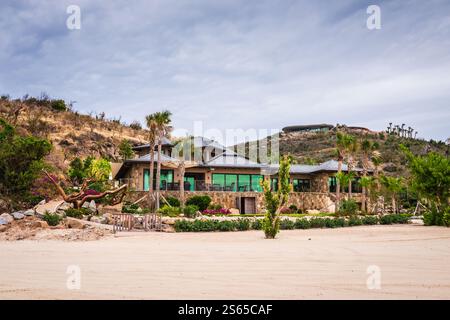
(79, 198)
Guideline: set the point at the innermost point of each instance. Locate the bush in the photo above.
(243, 224)
(293, 208)
(369, 220)
(270, 230)
(302, 223)
(354, 221)
(446, 217)
(317, 223)
(213, 206)
(77, 213)
(287, 224)
(286, 211)
(170, 211)
(58, 105)
(349, 207)
(202, 202)
(190, 211)
(53, 219)
(174, 202)
(256, 225)
(395, 218)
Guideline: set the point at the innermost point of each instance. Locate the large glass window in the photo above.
(166, 177)
(231, 182)
(244, 182)
(190, 186)
(256, 182)
(218, 181)
(301, 185)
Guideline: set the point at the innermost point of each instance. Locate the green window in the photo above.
(244, 182)
(332, 184)
(218, 180)
(301, 185)
(191, 181)
(256, 182)
(166, 177)
(231, 182)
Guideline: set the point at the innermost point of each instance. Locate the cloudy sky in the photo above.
(236, 64)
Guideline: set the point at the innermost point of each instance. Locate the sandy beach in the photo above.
(301, 264)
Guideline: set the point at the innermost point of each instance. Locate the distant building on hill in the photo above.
(309, 128)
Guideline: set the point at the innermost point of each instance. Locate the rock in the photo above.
(38, 224)
(92, 206)
(3, 222)
(110, 209)
(18, 215)
(312, 211)
(64, 206)
(3, 228)
(29, 212)
(96, 219)
(167, 228)
(4, 206)
(234, 211)
(74, 223)
(50, 207)
(85, 205)
(168, 221)
(7, 217)
(41, 203)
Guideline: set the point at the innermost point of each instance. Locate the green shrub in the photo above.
(395, 219)
(340, 222)
(243, 224)
(202, 202)
(271, 230)
(354, 221)
(302, 223)
(349, 207)
(317, 223)
(77, 213)
(213, 206)
(293, 208)
(369, 220)
(257, 224)
(287, 224)
(174, 202)
(170, 211)
(226, 225)
(53, 219)
(190, 211)
(446, 217)
(58, 105)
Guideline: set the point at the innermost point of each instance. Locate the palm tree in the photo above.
(366, 150)
(403, 130)
(343, 142)
(393, 186)
(184, 149)
(352, 151)
(153, 138)
(162, 120)
(389, 129)
(376, 161)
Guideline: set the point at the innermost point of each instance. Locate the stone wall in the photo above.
(321, 201)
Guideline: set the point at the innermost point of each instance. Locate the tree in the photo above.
(152, 140)
(99, 170)
(274, 202)
(392, 187)
(162, 120)
(367, 150)
(184, 150)
(125, 149)
(352, 151)
(343, 142)
(21, 159)
(430, 177)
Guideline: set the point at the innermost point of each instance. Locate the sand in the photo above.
(414, 263)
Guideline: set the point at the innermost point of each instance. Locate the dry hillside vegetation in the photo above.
(72, 134)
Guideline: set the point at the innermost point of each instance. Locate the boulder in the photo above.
(92, 206)
(96, 219)
(110, 209)
(312, 211)
(74, 223)
(50, 207)
(167, 228)
(168, 221)
(38, 224)
(7, 217)
(41, 203)
(3, 228)
(18, 215)
(3, 222)
(29, 212)
(64, 206)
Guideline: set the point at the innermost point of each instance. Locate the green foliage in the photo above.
(348, 207)
(287, 224)
(53, 219)
(395, 219)
(202, 202)
(317, 223)
(430, 176)
(275, 201)
(302, 224)
(21, 159)
(190, 211)
(134, 209)
(174, 202)
(354, 221)
(78, 213)
(369, 220)
(99, 170)
(293, 208)
(125, 149)
(170, 211)
(58, 105)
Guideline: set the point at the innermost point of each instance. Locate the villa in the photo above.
(230, 179)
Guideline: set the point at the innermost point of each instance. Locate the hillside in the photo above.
(317, 147)
(72, 134)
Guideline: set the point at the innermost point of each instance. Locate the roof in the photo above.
(146, 158)
(331, 165)
(232, 159)
(165, 142)
(205, 142)
(307, 127)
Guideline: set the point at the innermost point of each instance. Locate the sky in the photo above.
(230, 64)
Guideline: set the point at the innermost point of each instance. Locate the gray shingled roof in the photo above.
(165, 142)
(146, 158)
(233, 160)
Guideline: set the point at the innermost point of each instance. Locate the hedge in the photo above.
(243, 224)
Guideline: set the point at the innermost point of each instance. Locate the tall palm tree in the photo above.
(343, 142)
(152, 139)
(352, 151)
(376, 161)
(162, 120)
(403, 130)
(366, 151)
